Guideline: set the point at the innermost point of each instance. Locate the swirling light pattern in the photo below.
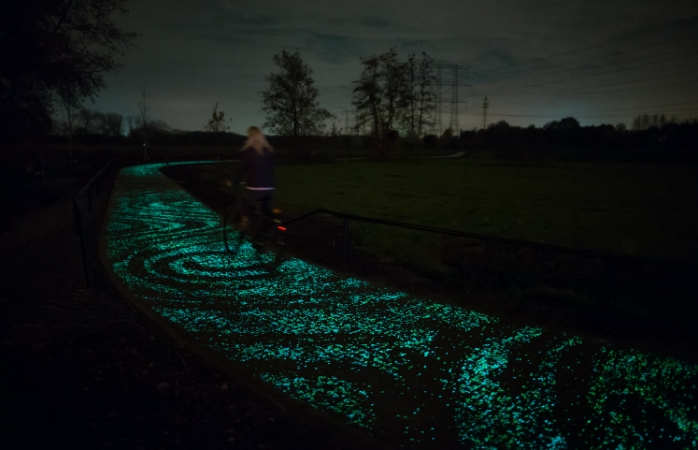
(409, 371)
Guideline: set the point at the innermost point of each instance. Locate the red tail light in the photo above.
(281, 228)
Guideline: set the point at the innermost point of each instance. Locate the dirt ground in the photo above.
(85, 369)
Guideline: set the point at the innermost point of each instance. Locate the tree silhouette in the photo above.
(645, 121)
(89, 121)
(70, 128)
(143, 119)
(113, 124)
(290, 101)
(216, 123)
(382, 95)
(419, 94)
(567, 123)
(392, 96)
(53, 50)
(368, 95)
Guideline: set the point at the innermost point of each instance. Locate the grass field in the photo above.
(648, 210)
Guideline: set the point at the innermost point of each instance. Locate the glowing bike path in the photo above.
(410, 372)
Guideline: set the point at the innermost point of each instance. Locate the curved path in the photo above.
(406, 370)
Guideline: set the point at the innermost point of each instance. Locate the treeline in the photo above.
(156, 137)
(86, 124)
(566, 140)
(88, 127)
(562, 139)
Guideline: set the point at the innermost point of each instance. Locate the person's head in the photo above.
(253, 131)
(256, 140)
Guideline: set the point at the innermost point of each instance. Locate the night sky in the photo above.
(597, 60)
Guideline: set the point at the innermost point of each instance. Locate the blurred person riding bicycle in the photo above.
(256, 172)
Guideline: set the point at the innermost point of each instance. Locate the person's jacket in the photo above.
(257, 170)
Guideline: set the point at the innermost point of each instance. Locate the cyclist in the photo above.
(257, 171)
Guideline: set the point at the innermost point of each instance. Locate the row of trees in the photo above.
(389, 95)
(395, 95)
(85, 121)
(646, 121)
(566, 139)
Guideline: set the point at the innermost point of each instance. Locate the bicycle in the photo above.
(263, 234)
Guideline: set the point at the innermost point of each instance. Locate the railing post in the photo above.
(83, 244)
(346, 239)
(76, 216)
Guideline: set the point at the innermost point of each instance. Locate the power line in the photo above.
(636, 62)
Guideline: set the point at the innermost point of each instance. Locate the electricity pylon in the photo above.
(485, 105)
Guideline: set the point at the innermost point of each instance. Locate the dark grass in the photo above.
(22, 190)
(643, 210)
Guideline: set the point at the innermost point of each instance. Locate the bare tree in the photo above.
(368, 95)
(410, 117)
(89, 121)
(101, 126)
(334, 131)
(379, 96)
(143, 119)
(131, 121)
(159, 126)
(395, 89)
(646, 121)
(425, 95)
(69, 109)
(420, 98)
(217, 123)
(113, 124)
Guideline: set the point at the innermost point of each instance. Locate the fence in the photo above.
(516, 242)
(91, 189)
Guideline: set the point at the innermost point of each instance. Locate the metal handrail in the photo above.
(522, 243)
(77, 216)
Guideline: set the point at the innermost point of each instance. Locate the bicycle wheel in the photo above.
(232, 237)
(271, 251)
